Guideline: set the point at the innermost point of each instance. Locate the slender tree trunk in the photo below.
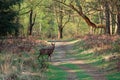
(60, 33)
(118, 20)
(31, 22)
(107, 14)
(113, 17)
(31, 25)
(17, 30)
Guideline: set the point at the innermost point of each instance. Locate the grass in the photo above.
(91, 56)
(26, 67)
(113, 76)
(81, 74)
(55, 73)
(19, 67)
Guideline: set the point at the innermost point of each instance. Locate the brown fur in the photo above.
(47, 51)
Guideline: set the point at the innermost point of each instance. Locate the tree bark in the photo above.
(107, 14)
(80, 12)
(31, 22)
(17, 30)
(60, 33)
(118, 19)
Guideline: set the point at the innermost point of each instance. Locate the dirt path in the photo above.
(60, 57)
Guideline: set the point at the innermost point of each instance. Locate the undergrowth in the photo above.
(19, 59)
(102, 51)
(24, 67)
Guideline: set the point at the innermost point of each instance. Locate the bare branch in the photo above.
(67, 21)
(57, 19)
(25, 12)
(62, 3)
(34, 20)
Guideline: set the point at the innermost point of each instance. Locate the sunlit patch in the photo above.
(89, 51)
(68, 61)
(57, 63)
(30, 73)
(72, 71)
(77, 62)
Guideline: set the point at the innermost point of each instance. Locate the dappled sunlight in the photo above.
(111, 57)
(59, 39)
(77, 62)
(89, 51)
(31, 74)
(72, 42)
(72, 71)
(68, 61)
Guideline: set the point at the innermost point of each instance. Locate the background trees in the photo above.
(51, 20)
(8, 17)
(62, 16)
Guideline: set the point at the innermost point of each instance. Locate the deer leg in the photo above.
(50, 57)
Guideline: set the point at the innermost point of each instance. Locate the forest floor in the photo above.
(92, 57)
(59, 58)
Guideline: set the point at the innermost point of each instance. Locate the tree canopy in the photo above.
(8, 16)
(29, 17)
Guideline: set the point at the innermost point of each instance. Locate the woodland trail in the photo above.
(62, 48)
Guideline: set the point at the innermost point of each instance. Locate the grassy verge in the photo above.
(113, 76)
(82, 75)
(23, 66)
(55, 73)
(93, 53)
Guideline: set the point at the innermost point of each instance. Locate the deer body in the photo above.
(47, 51)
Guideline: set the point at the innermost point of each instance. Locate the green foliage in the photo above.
(114, 76)
(8, 17)
(22, 67)
(80, 73)
(75, 28)
(55, 73)
(100, 56)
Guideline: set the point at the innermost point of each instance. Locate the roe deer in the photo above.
(47, 51)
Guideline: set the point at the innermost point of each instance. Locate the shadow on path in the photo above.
(60, 58)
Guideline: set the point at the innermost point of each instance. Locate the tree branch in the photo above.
(34, 20)
(62, 3)
(66, 21)
(80, 12)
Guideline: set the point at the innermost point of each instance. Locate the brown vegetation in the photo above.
(18, 45)
(108, 47)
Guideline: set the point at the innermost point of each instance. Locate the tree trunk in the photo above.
(107, 14)
(118, 20)
(87, 20)
(31, 22)
(17, 29)
(60, 33)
